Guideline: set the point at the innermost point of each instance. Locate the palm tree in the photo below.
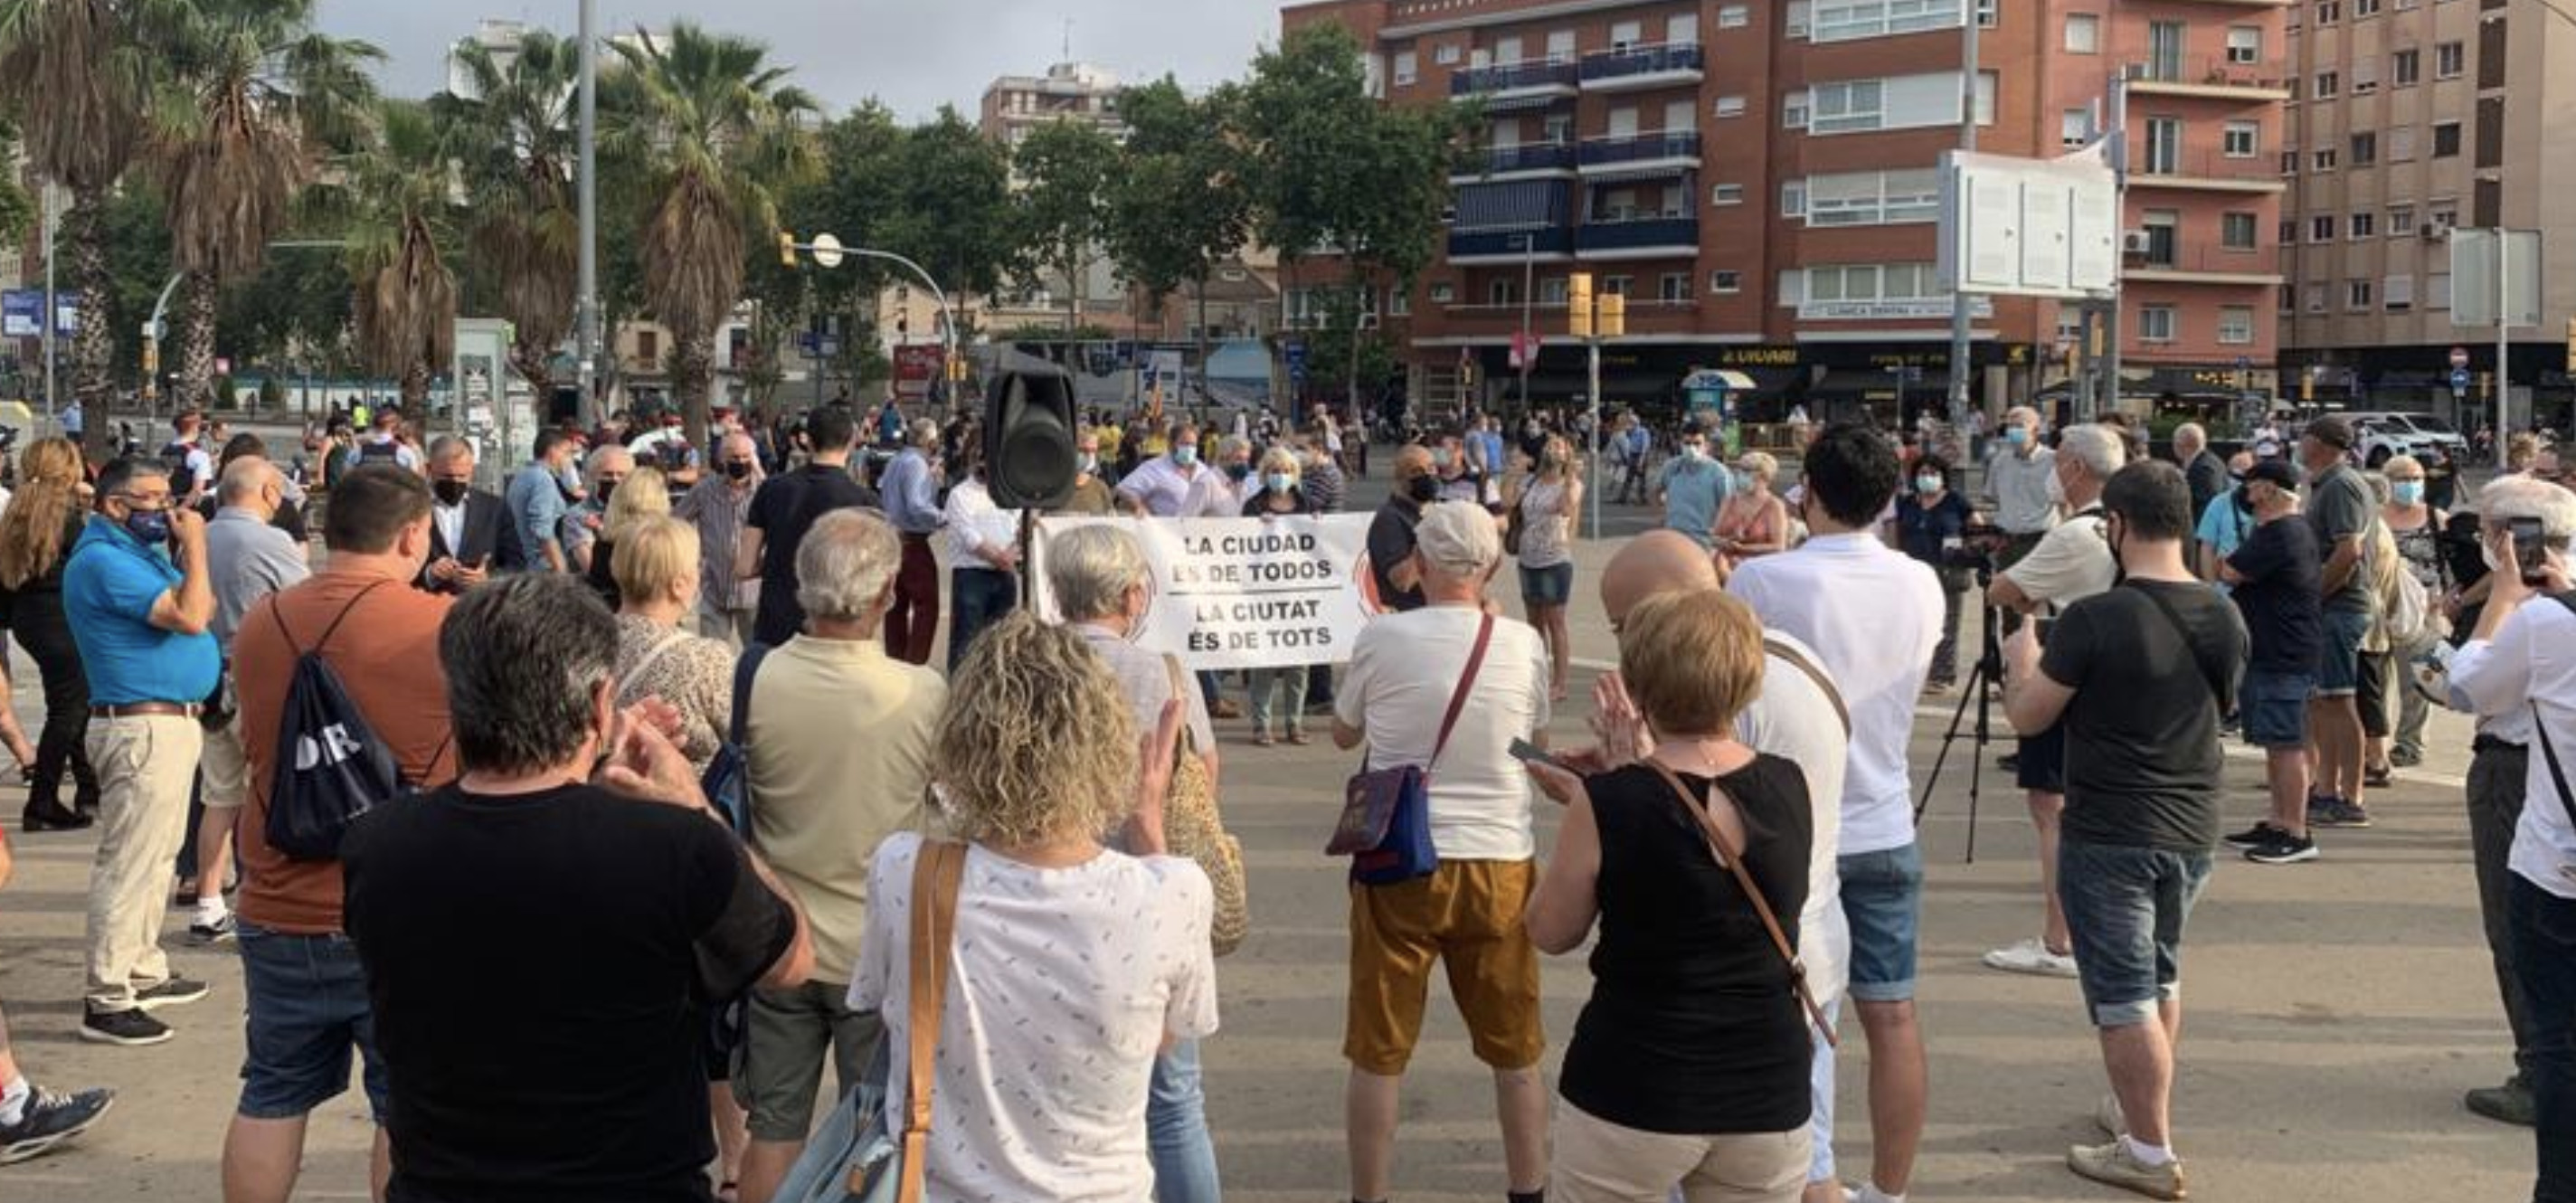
(78, 84)
(719, 135)
(395, 202)
(252, 94)
(526, 228)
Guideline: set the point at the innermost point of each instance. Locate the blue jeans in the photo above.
(2544, 957)
(1290, 686)
(976, 598)
(1176, 1130)
(1883, 901)
(2339, 665)
(306, 999)
(2126, 907)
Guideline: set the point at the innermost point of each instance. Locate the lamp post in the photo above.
(588, 190)
(1527, 346)
(828, 252)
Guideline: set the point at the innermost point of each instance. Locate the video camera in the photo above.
(1976, 548)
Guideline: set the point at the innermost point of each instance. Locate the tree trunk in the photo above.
(1072, 292)
(93, 349)
(534, 363)
(692, 369)
(415, 393)
(193, 380)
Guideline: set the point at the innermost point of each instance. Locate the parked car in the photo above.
(2424, 436)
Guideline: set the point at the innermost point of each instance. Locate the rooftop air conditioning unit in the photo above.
(2434, 232)
(2135, 242)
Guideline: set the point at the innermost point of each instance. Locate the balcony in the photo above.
(1648, 318)
(1640, 156)
(2201, 263)
(1534, 83)
(2214, 76)
(1638, 238)
(1518, 162)
(1638, 68)
(2204, 170)
(1470, 247)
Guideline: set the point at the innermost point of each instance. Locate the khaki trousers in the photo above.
(1598, 1161)
(145, 765)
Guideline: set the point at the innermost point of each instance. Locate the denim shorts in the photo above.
(1883, 901)
(307, 1003)
(1549, 586)
(2274, 705)
(2126, 907)
(2339, 665)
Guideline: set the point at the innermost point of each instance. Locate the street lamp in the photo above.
(828, 252)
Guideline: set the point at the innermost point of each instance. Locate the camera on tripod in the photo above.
(1975, 549)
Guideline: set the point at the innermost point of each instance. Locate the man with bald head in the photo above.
(728, 608)
(247, 558)
(1799, 716)
(1390, 537)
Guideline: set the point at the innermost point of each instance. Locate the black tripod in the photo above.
(1984, 682)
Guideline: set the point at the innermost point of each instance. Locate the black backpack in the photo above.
(174, 455)
(330, 767)
(374, 452)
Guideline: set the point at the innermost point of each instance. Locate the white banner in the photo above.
(1242, 592)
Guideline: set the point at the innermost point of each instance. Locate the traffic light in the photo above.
(2571, 346)
(787, 248)
(1467, 373)
(1578, 304)
(1611, 319)
(957, 369)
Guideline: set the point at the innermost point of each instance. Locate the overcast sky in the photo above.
(914, 56)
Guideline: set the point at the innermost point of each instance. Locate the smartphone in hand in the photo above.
(1524, 750)
(2529, 548)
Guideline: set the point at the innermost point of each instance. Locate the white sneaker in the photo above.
(1866, 1192)
(2032, 957)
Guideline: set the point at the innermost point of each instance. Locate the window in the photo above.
(2365, 76)
(1726, 194)
(1793, 111)
(2397, 294)
(1503, 292)
(1560, 46)
(2321, 228)
(1626, 34)
(2236, 324)
(2446, 214)
(2401, 221)
(2164, 50)
(2289, 298)
(1408, 67)
(648, 346)
(2401, 144)
(2164, 146)
(2357, 294)
(2406, 68)
(2244, 44)
(2075, 128)
(2164, 236)
(2242, 139)
(2437, 290)
(1872, 198)
(1734, 16)
(2329, 85)
(1873, 282)
(2155, 323)
(2364, 224)
(2329, 11)
(1551, 291)
(1723, 280)
(1443, 293)
(2236, 231)
(1845, 106)
(1619, 285)
(2446, 139)
(2365, 149)
(1730, 106)
(1791, 287)
(2315, 299)
(2322, 160)
(1793, 198)
(2289, 230)
(1398, 302)
(1446, 56)
(2289, 162)
(1676, 287)
(2083, 33)
(2450, 59)
(1793, 21)
(1843, 20)
(2364, 8)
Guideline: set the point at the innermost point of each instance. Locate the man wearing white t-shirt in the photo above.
(1405, 668)
(1873, 615)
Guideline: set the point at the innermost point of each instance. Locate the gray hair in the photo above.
(2508, 497)
(2102, 450)
(447, 447)
(2190, 432)
(523, 657)
(1230, 444)
(1091, 568)
(243, 479)
(600, 460)
(845, 565)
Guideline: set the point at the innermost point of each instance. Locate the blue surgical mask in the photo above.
(2017, 436)
(1280, 482)
(1185, 455)
(1927, 484)
(150, 526)
(2407, 492)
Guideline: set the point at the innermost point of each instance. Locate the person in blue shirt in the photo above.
(2225, 522)
(536, 500)
(910, 490)
(1692, 487)
(141, 607)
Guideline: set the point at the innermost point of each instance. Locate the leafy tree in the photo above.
(952, 207)
(1179, 206)
(1062, 204)
(525, 237)
(720, 132)
(398, 219)
(249, 92)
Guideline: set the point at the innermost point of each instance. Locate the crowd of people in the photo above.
(671, 718)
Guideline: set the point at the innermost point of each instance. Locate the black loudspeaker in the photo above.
(1028, 440)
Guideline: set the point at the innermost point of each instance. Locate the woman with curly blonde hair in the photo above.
(37, 531)
(1071, 965)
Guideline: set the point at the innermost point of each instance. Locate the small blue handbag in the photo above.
(1386, 813)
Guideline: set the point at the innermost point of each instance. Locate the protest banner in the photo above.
(1242, 592)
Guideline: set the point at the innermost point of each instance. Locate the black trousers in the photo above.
(47, 635)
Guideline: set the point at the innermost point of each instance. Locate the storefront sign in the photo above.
(1880, 311)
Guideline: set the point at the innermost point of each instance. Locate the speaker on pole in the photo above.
(1029, 456)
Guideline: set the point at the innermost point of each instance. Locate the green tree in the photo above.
(721, 132)
(77, 84)
(395, 208)
(1179, 206)
(250, 92)
(525, 237)
(853, 198)
(952, 207)
(1062, 203)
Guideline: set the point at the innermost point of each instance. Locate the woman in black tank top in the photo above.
(1689, 1066)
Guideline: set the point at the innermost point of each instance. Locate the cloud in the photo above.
(914, 58)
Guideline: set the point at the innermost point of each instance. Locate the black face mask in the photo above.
(1425, 488)
(600, 492)
(451, 492)
(738, 469)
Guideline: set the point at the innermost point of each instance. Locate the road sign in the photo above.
(2459, 358)
(2473, 276)
(827, 251)
(2460, 379)
(2243, 362)
(1297, 362)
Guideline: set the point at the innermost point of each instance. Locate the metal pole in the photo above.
(1961, 306)
(1529, 279)
(2110, 395)
(46, 323)
(2503, 378)
(1594, 370)
(589, 190)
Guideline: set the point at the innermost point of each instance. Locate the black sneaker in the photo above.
(133, 1029)
(2255, 836)
(171, 993)
(2284, 849)
(221, 931)
(2009, 762)
(49, 1119)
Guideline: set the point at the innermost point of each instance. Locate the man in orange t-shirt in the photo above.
(306, 994)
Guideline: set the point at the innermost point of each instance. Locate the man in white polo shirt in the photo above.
(1874, 616)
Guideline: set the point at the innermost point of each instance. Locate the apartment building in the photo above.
(1760, 180)
(1012, 107)
(2400, 131)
